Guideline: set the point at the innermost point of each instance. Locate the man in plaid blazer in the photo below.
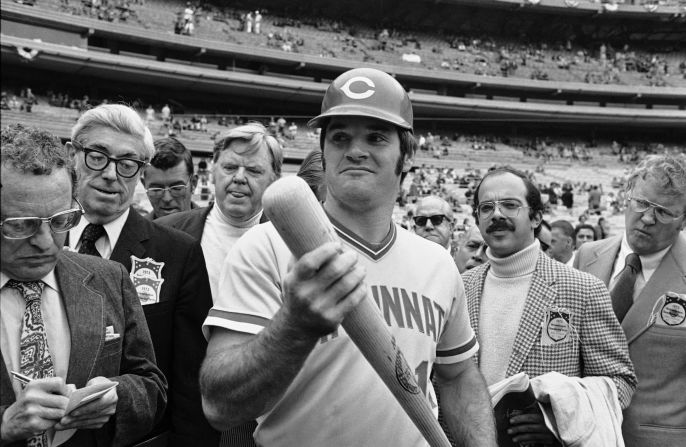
(532, 313)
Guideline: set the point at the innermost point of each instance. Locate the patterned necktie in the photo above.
(35, 360)
(623, 292)
(91, 233)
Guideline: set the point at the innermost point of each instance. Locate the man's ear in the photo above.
(194, 182)
(407, 164)
(71, 150)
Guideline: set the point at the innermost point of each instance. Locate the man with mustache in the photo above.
(533, 314)
(111, 145)
(645, 269)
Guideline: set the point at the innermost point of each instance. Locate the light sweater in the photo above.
(502, 303)
(220, 234)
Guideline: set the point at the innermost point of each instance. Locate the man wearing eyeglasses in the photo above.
(645, 269)
(111, 145)
(170, 179)
(433, 220)
(535, 315)
(65, 318)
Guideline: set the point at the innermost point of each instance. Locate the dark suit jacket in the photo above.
(191, 222)
(175, 322)
(657, 414)
(97, 293)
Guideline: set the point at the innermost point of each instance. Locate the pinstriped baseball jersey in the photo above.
(337, 399)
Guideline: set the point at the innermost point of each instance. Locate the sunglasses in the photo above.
(436, 220)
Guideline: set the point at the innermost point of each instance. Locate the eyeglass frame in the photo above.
(86, 150)
(79, 209)
(430, 218)
(652, 205)
(169, 188)
(496, 204)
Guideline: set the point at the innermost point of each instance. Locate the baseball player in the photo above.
(277, 351)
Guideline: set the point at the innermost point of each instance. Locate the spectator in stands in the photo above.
(471, 250)
(249, 22)
(562, 242)
(567, 197)
(583, 233)
(292, 131)
(312, 171)
(433, 220)
(166, 114)
(258, 22)
(149, 115)
(169, 179)
(602, 228)
(594, 197)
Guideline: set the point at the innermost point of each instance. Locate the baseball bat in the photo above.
(301, 222)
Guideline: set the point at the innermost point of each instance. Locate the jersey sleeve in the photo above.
(249, 292)
(457, 341)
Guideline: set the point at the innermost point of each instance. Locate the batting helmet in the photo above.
(367, 92)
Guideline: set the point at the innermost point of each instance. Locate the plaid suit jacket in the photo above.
(597, 347)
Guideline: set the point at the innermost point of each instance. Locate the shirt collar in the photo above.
(50, 279)
(113, 230)
(649, 263)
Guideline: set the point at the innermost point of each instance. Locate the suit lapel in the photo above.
(603, 260)
(670, 275)
(133, 234)
(474, 299)
(539, 298)
(84, 307)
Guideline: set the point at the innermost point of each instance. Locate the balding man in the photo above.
(433, 220)
(471, 251)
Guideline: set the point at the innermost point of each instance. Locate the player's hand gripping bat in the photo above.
(300, 220)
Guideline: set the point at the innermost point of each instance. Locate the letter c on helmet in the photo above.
(365, 94)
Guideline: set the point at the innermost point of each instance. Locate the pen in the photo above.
(24, 380)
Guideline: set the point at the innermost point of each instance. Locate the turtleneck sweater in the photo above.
(220, 234)
(502, 303)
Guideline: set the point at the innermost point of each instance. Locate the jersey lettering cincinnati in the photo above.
(406, 309)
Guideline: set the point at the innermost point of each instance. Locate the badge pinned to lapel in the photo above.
(669, 310)
(556, 327)
(146, 275)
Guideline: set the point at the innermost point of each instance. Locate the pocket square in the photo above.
(110, 334)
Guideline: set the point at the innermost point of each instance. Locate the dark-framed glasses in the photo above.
(662, 214)
(25, 227)
(176, 191)
(507, 207)
(436, 220)
(98, 161)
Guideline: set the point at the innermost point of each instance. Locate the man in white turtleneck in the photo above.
(531, 313)
(246, 160)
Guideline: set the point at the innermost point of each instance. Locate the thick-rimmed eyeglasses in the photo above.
(176, 191)
(507, 207)
(98, 161)
(662, 214)
(25, 227)
(436, 220)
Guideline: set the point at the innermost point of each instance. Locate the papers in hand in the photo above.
(82, 396)
(511, 397)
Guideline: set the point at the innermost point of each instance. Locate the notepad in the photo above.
(82, 396)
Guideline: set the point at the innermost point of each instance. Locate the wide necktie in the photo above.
(91, 233)
(34, 355)
(623, 292)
